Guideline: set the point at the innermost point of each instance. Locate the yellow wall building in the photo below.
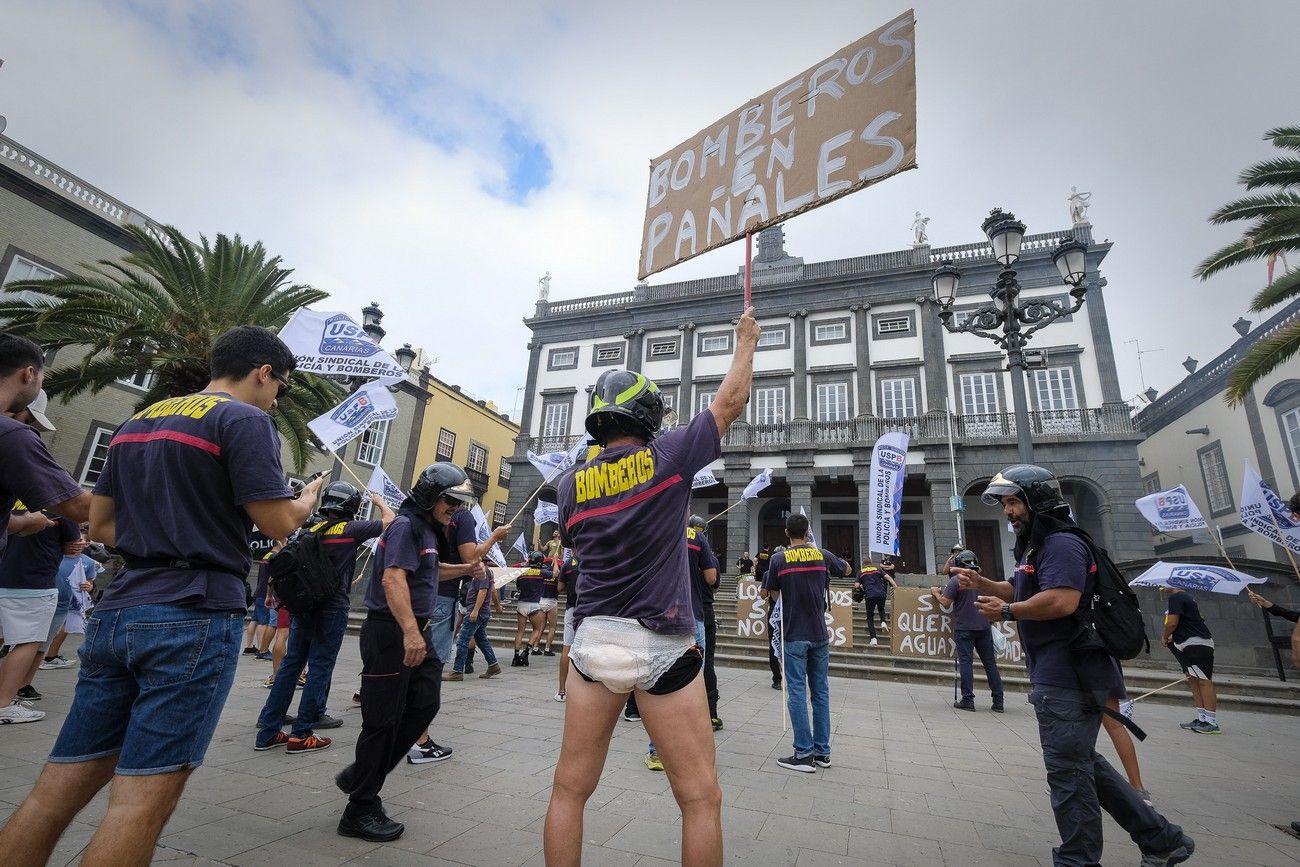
(471, 434)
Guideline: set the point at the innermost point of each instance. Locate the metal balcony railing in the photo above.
(862, 432)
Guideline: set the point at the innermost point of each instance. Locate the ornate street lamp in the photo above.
(1007, 321)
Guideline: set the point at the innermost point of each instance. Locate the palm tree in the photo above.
(1273, 231)
(158, 311)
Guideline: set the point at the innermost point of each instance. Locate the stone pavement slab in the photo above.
(913, 782)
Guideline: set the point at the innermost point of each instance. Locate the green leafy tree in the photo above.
(1272, 216)
(158, 311)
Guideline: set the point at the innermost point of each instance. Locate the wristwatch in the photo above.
(1006, 613)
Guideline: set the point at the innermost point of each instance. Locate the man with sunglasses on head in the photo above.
(184, 482)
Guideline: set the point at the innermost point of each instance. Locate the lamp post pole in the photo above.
(1007, 321)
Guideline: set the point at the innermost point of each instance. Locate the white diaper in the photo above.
(622, 654)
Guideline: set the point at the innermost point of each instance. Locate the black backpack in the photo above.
(1109, 619)
(302, 575)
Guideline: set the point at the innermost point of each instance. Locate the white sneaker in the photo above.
(56, 662)
(873, 642)
(19, 713)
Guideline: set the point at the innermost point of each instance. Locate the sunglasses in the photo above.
(455, 503)
(284, 384)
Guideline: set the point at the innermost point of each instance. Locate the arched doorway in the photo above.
(771, 522)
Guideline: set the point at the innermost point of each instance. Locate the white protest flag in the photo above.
(774, 624)
(552, 464)
(502, 577)
(385, 487)
(1264, 513)
(481, 533)
(546, 513)
(1171, 511)
(329, 343)
(1190, 576)
(756, 484)
(520, 546)
(370, 403)
(703, 479)
(888, 466)
(812, 540)
(79, 601)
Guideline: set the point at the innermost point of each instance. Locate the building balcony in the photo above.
(1072, 425)
(478, 481)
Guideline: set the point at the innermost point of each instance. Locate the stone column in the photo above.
(799, 325)
(736, 475)
(943, 521)
(862, 346)
(684, 390)
(1103, 351)
(530, 388)
(636, 344)
(936, 358)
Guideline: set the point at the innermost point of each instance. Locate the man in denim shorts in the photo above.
(184, 482)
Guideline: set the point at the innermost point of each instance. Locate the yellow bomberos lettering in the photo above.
(614, 477)
(191, 406)
(690, 534)
(803, 555)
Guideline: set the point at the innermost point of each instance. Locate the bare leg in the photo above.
(57, 644)
(1124, 747)
(60, 793)
(250, 633)
(264, 643)
(278, 650)
(138, 809)
(535, 620)
(564, 666)
(679, 726)
(33, 667)
(590, 713)
(520, 620)
(549, 628)
(15, 668)
(1203, 694)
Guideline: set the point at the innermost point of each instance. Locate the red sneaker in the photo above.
(309, 744)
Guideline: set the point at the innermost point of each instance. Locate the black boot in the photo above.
(518, 660)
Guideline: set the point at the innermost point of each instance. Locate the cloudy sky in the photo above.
(439, 157)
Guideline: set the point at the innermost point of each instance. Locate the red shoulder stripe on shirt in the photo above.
(336, 540)
(801, 569)
(172, 435)
(629, 502)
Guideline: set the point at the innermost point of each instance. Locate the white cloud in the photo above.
(318, 133)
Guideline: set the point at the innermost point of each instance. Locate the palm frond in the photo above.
(1256, 207)
(1245, 250)
(1277, 172)
(1284, 288)
(1261, 360)
(1286, 137)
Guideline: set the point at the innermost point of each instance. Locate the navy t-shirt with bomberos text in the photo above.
(180, 473)
(340, 541)
(872, 580)
(32, 562)
(802, 575)
(532, 583)
(699, 553)
(409, 544)
(28, 473)
(623, 513)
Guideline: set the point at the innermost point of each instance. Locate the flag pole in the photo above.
(1217, 536)
(348, 470)
(749, 268)
(544, 483)
(725, 511)
(785, 678)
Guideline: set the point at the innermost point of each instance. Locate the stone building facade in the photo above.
(852, 348)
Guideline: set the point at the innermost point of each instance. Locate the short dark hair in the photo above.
(1294, 503)
(245, 348)
(796, 526)
(17, 352)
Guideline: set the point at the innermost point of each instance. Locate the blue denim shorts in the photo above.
(152, 684)
(442, 624)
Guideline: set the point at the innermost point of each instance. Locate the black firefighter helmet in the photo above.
(1037, 487)
(443, 479)
(341, 499)
(624, 403)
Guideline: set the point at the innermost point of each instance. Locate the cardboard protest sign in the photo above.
(921, 627)
(751, 614)
(840, 125)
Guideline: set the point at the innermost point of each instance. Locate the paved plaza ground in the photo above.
(914, 782)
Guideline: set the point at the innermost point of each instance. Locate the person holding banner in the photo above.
(184, 482)
(622, 514)
(1055, 570)
(799, 579)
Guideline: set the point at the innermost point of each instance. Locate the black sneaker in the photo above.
(631, 716)
(423, 754)
(28, 693)
(250, 651)
(374, 827)
(469, 668)
(776, 684)
(548, 652)
(964, 704)
(822, 761)
(517, 661)
(717, 723)
(356, 699)
(794, 763)
(1177, 855)
(997, 708)
(328, 722)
